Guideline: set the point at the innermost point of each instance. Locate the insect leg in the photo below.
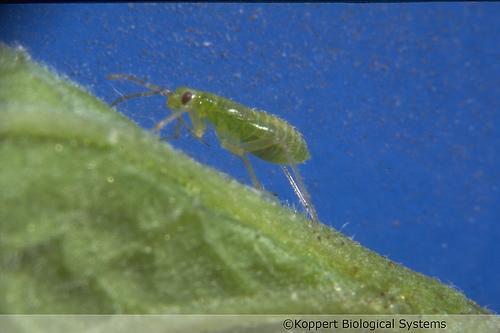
(299, 186)
(199, 126)
(241, 149)
(164, 122)
(300, 190)
(251, 171)
(295, 181)
(177, 131)
(249, 147)
(257, 144)
(294, 185)
(190, 130)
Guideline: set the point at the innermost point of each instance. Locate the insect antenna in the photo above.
(134, 95)
(136, 80)
(154, 90)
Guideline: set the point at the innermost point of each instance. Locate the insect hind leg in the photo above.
(298, 185)
(300, 190)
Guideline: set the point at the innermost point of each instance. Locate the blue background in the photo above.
(399, 105)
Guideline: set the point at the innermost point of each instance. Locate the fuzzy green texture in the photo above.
(99, 216)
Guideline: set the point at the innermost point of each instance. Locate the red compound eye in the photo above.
(186, 97)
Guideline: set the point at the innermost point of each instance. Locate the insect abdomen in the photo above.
(245, 125)
(288, 144)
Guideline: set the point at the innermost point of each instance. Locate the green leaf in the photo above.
(99, 216)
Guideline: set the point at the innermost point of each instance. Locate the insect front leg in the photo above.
(164, 122)
(177, 130)
(199, 126)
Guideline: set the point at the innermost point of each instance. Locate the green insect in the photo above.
(240, 129)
